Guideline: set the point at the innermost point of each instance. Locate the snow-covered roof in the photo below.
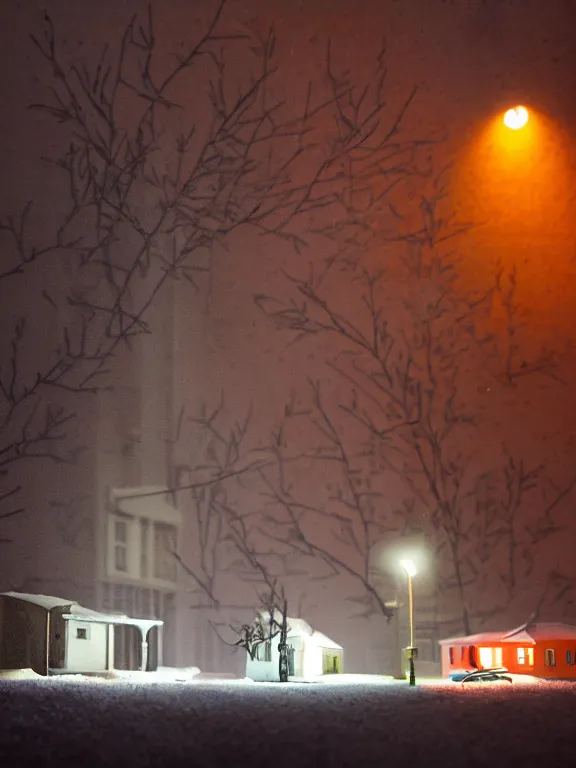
(321, 641)
(44, 601)
(482, 637)
(93, 617)
(543, 631)
(298, 627)
(301, 628)
(78, 612)
(527, 634)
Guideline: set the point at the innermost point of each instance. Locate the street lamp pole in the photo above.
(411, 610)
(412, 649)
(410, 569)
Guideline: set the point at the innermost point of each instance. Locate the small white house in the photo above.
(52, 635)
(311, 654)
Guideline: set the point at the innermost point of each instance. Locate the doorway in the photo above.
(331, 661)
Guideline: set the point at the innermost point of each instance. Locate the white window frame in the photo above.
(152, 557)
(525, 656)
(132, 547)
(145, 547)
(86, 629)
(264, 651)
(150, 513)
(121, 543)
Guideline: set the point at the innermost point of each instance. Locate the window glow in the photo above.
(490, 657)
(525, 656)
(516, 118)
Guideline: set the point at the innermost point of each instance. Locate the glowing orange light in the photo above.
(516, 118)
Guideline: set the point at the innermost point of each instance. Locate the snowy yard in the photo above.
(62, 722)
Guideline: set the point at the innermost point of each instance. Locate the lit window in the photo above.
(490, 657)
(525, 656)
(550, 657)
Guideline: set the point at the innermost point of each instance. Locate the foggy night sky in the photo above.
(470, 60)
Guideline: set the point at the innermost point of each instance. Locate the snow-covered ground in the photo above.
(194, 675)
(238, 723)
(161, 675)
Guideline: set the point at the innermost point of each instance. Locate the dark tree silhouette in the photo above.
(402, 360)
(151, 185)
(352, 523)
(271, 622)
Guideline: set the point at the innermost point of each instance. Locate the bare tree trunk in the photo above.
(466, 624)
(283, 649)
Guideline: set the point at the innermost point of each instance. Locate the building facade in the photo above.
(545, 650)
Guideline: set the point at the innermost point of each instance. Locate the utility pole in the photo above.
(411, 571)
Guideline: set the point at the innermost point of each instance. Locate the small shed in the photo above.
(311, 654)
(53, 635)
(546, 650)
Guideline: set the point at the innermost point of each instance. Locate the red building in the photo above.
(541, 650)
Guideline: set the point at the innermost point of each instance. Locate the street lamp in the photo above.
(516, 118)
(411, 571)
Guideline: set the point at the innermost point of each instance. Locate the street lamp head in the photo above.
(516, 118)
(409, 567)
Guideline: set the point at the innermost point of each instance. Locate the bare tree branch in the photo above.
(406, 348)
(151, 187)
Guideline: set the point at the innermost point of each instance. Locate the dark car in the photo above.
(499, 674)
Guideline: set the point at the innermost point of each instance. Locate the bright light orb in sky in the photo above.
(409, 567)
(516, 118)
